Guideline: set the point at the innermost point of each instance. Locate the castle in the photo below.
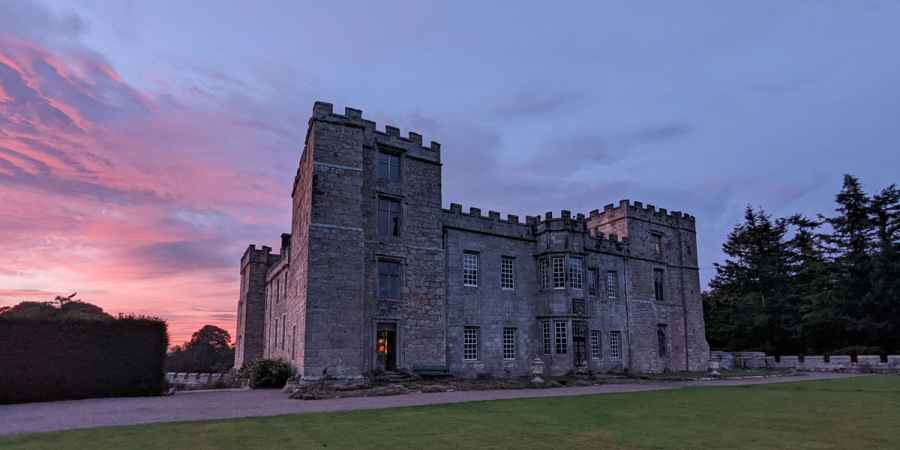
(376, 275)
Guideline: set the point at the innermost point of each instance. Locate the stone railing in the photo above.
(810, 363)
(195, 379)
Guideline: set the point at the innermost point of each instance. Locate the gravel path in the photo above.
(52, 416)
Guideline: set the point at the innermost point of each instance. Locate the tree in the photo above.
(748, 298)
(61, 308)
(209, 350)
(883, 303)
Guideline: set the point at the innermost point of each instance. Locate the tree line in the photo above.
(804, 285)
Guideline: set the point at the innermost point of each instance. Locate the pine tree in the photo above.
(883, 304)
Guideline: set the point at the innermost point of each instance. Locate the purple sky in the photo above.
(165, 135)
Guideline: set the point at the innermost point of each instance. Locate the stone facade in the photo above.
(371, 276)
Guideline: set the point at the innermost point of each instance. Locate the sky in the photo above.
(144, 145)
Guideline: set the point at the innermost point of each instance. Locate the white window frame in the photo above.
(509, 343)
(470, 269)
(576, 272)
(612, 284)
(561, 335)
(596, 344)
(547, 343)
(558, 264)
(507, 273)
(470, 343)
(615, 345)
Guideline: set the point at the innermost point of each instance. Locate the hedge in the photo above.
(43, 360)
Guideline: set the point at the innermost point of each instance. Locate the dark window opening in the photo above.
(661, 341)
(388, 217)
(658, 284)
(388, 166)
(388, 279)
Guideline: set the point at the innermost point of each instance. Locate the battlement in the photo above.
(412, 142)
(650, 213)
(252, 255)
(474, 220)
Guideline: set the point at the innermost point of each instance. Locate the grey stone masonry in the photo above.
(376, 275)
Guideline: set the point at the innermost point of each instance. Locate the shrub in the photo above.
(267, 373)
(44, 360)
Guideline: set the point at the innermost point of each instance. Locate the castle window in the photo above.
(283, 330)
(545, 334)
(615, 345)
(592, 281)
(509, 343)
(545, 273)
(559, 272)
(389, 279)
(596, 344)
(470, 344)
(612, 285)
(470, 269)
(388, 217)
(661, 341)
(658, 284)
(562, 338)
(576, 272)
(507, 272)
(657, 243)
(388, 166)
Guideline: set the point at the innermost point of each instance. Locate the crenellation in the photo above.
(474, 212)
(391, 130)
(512, 218)
(353, 113)
(415, 138)
(494, 215)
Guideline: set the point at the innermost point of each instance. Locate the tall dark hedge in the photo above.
(43, 360)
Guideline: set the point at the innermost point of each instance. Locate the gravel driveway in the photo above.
(52, 416)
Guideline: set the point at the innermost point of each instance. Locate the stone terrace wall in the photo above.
(810, 363)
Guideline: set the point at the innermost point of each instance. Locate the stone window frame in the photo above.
(659, 284)
(662, 340)
(546, 337)
(393, 174)
(559, 271)
(615, 345)
(544, 272)
(596, 344)
(657, 237)
(398, 230)
(283, 331)
(510, 337)
(470, 262)
(575, 271)
(561, 336)
(401, 276)
(612, 285)
(593, 280)
(508, 273)
(471, 340)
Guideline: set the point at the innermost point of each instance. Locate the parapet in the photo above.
(492, 223)
(650, 213)
(411, 143)
(260, 256)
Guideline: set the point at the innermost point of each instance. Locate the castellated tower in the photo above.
(376, 276)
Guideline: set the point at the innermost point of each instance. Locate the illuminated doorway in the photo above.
(386, 346)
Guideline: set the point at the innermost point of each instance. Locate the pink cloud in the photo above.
(140, 204)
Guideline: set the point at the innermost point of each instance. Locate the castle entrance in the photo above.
(386, 346)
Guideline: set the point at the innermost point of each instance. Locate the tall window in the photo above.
(545, 335)
(388, 217)
(293, 341)
(507, 272)
(559, 272)
(612, 285)
(283, 330)
(596, 344)
(545, 273)
(509, 343)
(592, 281)
(388, 166)
(470, 269)
(657, 243)
(389, 279)
(562, 338)
(470, 344)
(658, 284)
(576, 272)
(615, 345)
(661, 340)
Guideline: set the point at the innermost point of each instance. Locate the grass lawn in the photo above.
(850, 413)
